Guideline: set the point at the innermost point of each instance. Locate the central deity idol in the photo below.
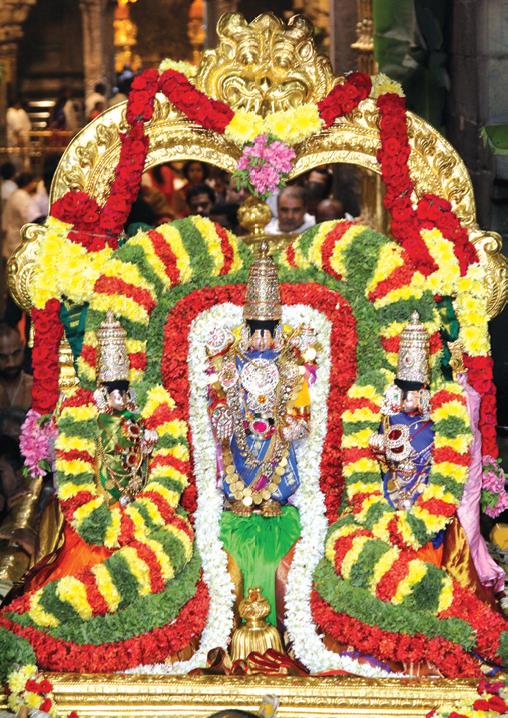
(259, 400)
(259, 407)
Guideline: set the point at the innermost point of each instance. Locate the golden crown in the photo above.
(262, 299)
(113, 359)
(413, 360)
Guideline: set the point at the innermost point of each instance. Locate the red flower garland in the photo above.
(82, 211)
(142, 97)
(487, 623)
(452, 660)
(125, 187)
(195, 105)
(434, 211)
(156, 645)
(344, 98)
(48, 334)
(393, 158)
(480, 376)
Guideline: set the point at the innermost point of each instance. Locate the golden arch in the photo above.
(237, 72)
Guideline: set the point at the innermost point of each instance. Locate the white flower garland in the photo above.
(309, 500)
(219, 624)
(307, 643)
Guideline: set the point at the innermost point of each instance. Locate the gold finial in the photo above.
(262, 298)
(67, 379)
(113, 359)
(456, 360)
(413, 360)
(256, 635)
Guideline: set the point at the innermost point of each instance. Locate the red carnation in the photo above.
(45, 705)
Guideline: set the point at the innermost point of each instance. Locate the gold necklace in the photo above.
(246, 494)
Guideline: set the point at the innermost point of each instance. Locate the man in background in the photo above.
(201, 199)
(292, 212)
(8, 185)
(18, 125)
(18, 210)
(329, 209)
(15, 384)
(98, 95)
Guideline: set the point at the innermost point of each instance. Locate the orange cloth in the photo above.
(459, 565)
(430, 554)
(75, 556)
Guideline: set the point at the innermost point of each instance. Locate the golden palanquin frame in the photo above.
(284, 70)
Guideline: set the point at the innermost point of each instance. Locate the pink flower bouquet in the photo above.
(264, 166)
(494, 499)
(37, 443)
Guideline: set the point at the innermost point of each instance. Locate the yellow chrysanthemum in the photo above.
(352, 555)
(244, 127)
(381, 84)
(361, 414)
(157, 396)
(366, 391)
(294, 125)
(138, 568)
(382, 566)
(389, 258)
(363, 465)
(186, 68)
(359, 438)
(106, 587)
(73, 591)
(416, 571)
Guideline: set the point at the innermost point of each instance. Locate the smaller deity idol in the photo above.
(123, 444)
(259, 402)
(406, 436)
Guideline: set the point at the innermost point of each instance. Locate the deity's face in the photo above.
(118, 399)
(411, 402)
(261, 339)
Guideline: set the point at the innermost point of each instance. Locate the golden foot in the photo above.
(239, 508)
(271, 508)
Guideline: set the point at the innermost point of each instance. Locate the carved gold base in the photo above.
(104, 696)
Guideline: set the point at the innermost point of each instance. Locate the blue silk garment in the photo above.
(259, 447)
(421, 432)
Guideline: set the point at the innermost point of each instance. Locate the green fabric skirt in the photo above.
(258, 544)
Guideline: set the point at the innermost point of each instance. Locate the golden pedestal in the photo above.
(120, 696)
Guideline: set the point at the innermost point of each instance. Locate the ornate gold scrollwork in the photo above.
(267, 65)
(488, 246)
(21, 266)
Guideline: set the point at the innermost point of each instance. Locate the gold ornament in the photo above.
(256, 635)
(265, 65)
(457, 359)
(413, 360)
(113, 359)
(262, 299)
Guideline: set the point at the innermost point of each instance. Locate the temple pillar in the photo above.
(8, 57)
(12, 16)
(97, 17)
(196, 31)
(343, 19)
(213, 10)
